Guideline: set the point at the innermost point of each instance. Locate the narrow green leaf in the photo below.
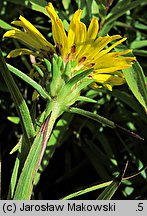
(25, 182)
(5, 25)
(56, 69)
(87, 190)
(16, 148)
(106, 28)
(136, 81)
(86, 82)
(57, 82)
(48, 65)
(77, 78)
(30, 81)
(20, 103)
(109, 191)
(138, 44)
(140, 166)
(38, 69)
(39, 7)
(13, 179)
(86, 99)
(112, 188)
(93, 116)
(60, 63)
(67, 69)
(140, 25)
(23, 149)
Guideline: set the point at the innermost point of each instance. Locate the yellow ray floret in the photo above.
(30, 36)
(20, 51)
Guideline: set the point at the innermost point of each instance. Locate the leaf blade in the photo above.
(136, 81)
(109, 191)
(19, 101)
(28, 80)
(87, 190)
(93, 116)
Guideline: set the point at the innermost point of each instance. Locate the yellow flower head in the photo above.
(84, 46)
(78, 44)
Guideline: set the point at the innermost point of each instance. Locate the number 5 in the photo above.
(140, 206)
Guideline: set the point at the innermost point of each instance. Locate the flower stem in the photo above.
(25, 182)
(48, 125)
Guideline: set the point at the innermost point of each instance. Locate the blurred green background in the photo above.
(87, 153)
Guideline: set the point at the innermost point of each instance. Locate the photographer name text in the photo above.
(71, 207)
